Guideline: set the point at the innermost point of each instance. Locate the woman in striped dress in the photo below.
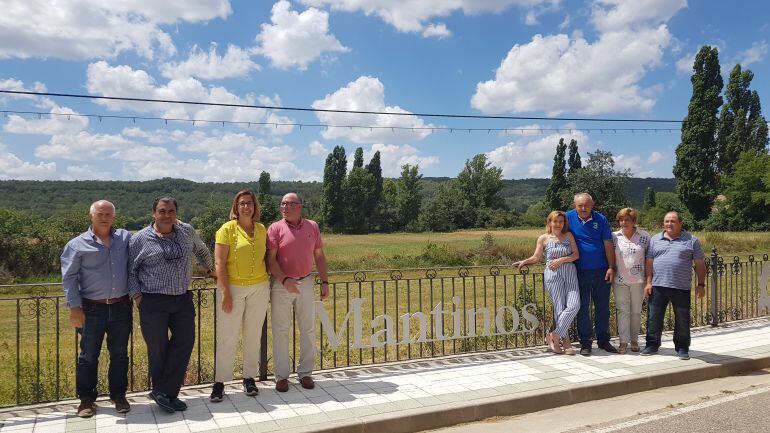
(560, 250)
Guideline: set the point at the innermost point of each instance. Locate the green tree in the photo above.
(389, 218)
(375, 195)
(268, 208)
(741, 124)
(409, 196)
(649, 198)
(332, 193)
(358, 188)
(748, 195)
(358, 158)
(696, 155)
(481, 182)
(216, 213)
(558, 177)
(599, 178)
(450, 209)
(574, 157)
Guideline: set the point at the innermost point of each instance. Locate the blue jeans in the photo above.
(115, 320)
(659, 300)
(593, 288)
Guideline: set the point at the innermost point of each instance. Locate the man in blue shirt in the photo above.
(669, 278)
(160, 271)
(596, 270)
(94, 269)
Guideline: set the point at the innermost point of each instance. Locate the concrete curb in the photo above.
(532, 401)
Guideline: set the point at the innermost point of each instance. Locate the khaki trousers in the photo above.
(628, 302)
(247, 315)
(304, 308)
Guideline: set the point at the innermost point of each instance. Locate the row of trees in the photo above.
(722, 165)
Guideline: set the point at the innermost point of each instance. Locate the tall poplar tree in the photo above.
(375, 195)
(741, 124)
(268, 209)
(358, 158)
(696, 155)
(558, 177)
(574, 157)
(409, 195)
(332, 193)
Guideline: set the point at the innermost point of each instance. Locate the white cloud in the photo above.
(684, 64)
(123, 80)
(296, 39)
(564, 25)
(559, 74)
(410, 16)
(655, 157)
(620, 15)
(86, 172)
(530, 19)
(532, 157)
(392, 157)
(13, 167)
(53, 124)
(236, 62)
(436, 31)
(317, 149)
(754, 54)
(630, 162)
(18, 86)
(82, 146)
(83, 29)
(368, 94)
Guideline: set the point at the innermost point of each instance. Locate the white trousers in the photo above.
(628, 302)
(280, 319)
(247, 315)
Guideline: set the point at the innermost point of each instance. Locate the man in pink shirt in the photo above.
(293, 245)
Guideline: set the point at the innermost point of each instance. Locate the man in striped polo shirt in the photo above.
(669, 278)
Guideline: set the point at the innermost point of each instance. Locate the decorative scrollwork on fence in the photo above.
(463, 272)
(721, 269)
(359, 277)
(201, 283)
(396, 275)
(764, 257)
(431, 274)
(735, 268)
(736, 259)
(524, 270)
(494, 270)
(720, 260)
(31, 308)
(736, 313)
(202, 300)
(751, 258)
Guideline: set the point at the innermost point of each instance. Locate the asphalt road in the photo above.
(734, 404)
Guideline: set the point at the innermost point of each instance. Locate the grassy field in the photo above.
(38, 349)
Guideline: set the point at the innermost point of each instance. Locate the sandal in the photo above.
(567, 345)
(622, 348)
(556, 340)
(634, 346)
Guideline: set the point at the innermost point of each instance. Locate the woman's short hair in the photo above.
(552, 216)
(627, 212)
(234, 209)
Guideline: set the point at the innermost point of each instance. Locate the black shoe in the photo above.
(121, 404)
(585, 350)
(178, 404)
(250, 387)
(647, 351)
(683, 354)
(217, 392)
(163, 401)
(607, 347)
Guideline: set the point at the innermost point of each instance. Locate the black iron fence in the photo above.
(370, 317)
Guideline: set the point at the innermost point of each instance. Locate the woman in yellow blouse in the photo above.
(239, 256)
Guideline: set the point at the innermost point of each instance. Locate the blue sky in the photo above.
(596, 58)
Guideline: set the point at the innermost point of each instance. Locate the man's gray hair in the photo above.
(92, 209)
(678, 214)
(583, 194)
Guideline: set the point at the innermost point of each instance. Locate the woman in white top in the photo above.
(631, 250)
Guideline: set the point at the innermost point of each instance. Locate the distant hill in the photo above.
(134, 198)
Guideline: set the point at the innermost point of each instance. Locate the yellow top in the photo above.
(246, 258)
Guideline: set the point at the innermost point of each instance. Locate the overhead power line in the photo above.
(336, 111)
(522, 130)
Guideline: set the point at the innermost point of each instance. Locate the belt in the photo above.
(107, 301)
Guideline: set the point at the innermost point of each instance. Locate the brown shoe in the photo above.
(121, 404)
(87, 408)
(307, 382)
(282, 385)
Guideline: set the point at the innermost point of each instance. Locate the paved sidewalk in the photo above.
(416, 395)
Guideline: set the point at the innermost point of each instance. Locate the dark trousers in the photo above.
(658, 303)
(168, 357)
(115, 320)
(594, 289)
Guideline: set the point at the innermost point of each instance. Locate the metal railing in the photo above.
(370, 317)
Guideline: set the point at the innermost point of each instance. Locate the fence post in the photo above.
(714, 281)
(263, 352)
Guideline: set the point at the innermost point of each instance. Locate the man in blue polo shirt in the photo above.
(596, 270)
(669, 278)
